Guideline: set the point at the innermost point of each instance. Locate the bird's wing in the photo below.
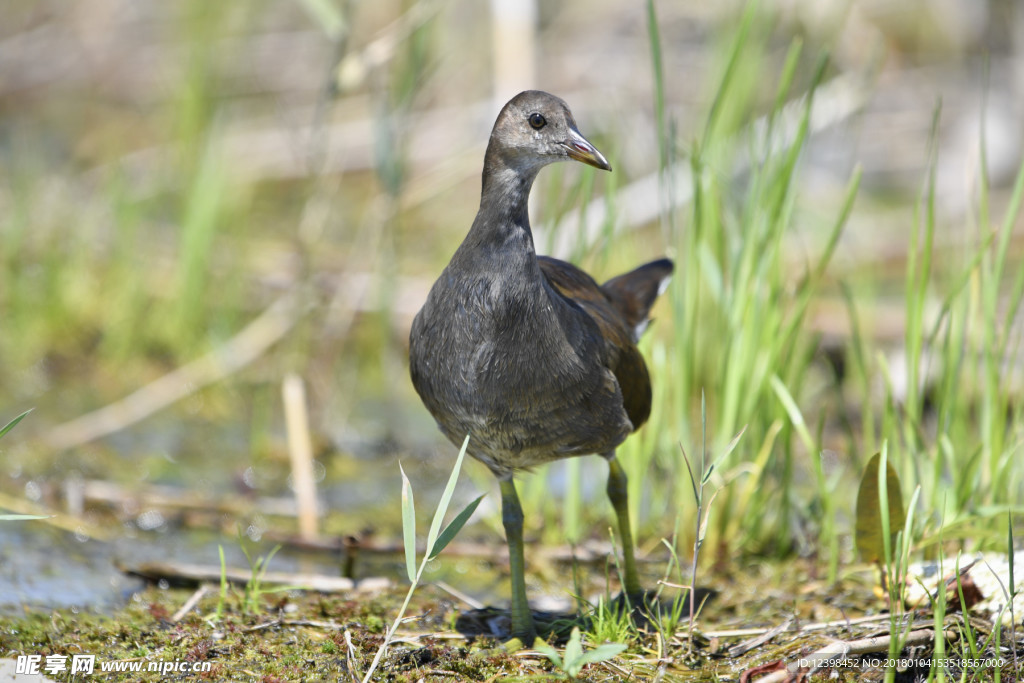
(622, 356)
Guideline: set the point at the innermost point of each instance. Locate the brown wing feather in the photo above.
(623, 357)
(633, 293)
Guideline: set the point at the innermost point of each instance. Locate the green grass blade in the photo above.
(446, 497)
(837, 227)
(1009, 220)
(454, 527)
(654, 35)
(726, 81)
(548, 651)
(919, 270)
(223, 596)
(789, 68)
(600, 653)
(796, 417)
(10, 425)
(730, 447)
(1009, 551)
(883, 507)
(573, 651)
(408, 526)
(689, 470)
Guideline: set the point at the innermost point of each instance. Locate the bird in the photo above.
(527, 354)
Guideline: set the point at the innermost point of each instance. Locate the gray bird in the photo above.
(526, 354)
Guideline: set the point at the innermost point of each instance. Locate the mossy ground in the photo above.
(297, 636)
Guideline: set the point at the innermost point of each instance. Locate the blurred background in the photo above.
(199, 198)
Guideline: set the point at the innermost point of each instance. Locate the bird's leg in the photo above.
(512, 518)
(618, 495)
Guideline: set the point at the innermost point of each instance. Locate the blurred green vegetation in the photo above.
(210, 158)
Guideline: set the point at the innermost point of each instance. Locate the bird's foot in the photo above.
(516, 643)
(492, 622)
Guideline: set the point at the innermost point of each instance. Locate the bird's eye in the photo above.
(537, 121)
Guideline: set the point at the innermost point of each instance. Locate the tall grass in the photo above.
(738, 333)
(99, 259)
(738, 313)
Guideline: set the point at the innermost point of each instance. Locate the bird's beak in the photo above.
(580, 149)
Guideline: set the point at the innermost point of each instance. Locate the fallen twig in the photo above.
(818, 626)
(176, 498)
(195, 573)
(193, 600)
(757, 641)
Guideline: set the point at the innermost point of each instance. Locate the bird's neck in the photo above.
(503, 220)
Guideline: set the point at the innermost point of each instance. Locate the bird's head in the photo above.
(536, 128)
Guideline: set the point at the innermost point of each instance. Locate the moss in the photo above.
(308, 637)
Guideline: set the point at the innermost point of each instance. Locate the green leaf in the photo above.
(408, 526)
(732, 444)
(9, 518)
(446, 497)
(795, 416)
(1010, 553)
(10, 425)
(551, 653)
(600, 653)
(870, 536)
(454, 527)
(575, 658)
(573, 651)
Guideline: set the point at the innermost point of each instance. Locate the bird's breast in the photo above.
(491, 341)
(523, 374)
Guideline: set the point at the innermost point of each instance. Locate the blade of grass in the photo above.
(408, 525)
(10, 425)
(446, 496)
(919, 268)
(740, 40)
(796, 418)
(453, 528)
(654, 35)
(1013, 587)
